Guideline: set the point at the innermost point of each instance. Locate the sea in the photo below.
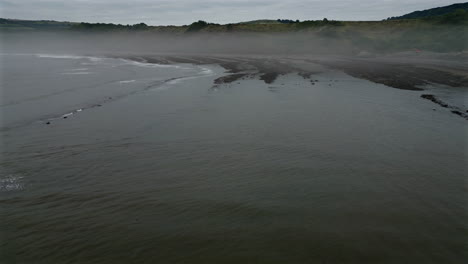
(109, 160)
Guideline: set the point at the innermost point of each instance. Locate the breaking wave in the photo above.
(68, 56)
(11, 183)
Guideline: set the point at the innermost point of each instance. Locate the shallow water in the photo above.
(159, 166)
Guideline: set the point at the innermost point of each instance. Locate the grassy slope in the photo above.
(441, 33)
(378, 36)
(434, 11)
(16, 24)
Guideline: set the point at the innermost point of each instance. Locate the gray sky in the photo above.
(179, 12)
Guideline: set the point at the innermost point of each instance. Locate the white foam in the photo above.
(127, 81)
(150, 65)
(78, 69)
(54, 56)
(94, 59)
(15, 54)
(11, 183)
(176, 81)
(68, 56)
(179, 80)
(76, 73)
(206, 71)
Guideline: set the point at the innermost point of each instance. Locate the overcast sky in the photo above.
(179, 12)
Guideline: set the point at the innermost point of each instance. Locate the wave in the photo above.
(206, 71)
(178, 80)
(127, 81)
(11, 183)
(67, 56)
(15, 54)
(150, 65)
(76, 73)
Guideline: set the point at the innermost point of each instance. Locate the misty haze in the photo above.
(138, 133)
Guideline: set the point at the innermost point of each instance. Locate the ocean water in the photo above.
(114, 161)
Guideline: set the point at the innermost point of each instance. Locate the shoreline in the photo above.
(403, 73)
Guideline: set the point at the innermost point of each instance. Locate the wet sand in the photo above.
(401, 72)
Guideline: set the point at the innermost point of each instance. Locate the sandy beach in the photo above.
(401, 71)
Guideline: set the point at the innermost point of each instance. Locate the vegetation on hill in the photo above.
(433, 12)
(459, 16)
(287, 21)
(16, 24)
(107, 27)
(261, 21)
(440, 33)
(199, 25)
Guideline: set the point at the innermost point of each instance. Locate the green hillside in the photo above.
(439, 33)
(17, 24)
(438, 11)
(261, 21)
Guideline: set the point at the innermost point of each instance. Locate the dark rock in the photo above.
(269, 77)
(428, 96)
(432, 98)
(305, 75)
(230, 78)
(401, 76)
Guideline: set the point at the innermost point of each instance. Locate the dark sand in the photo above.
(407, 72)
